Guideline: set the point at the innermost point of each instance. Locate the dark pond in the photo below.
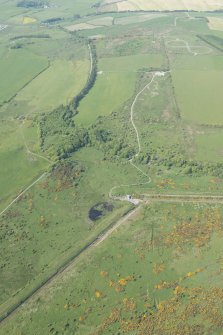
(99, 210)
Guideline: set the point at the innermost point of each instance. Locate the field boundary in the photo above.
(29, 82)
(194, 198)
(91, 78)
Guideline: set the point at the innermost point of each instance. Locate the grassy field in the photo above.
(198, 93)
(57, 85)
(115, 84)
(211, 143)
(197, 81)
(19, 67)
(18, 167)
(157, 270)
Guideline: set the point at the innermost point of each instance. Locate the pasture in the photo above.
(198, 81)
(211, 143)
(57, 85)
(18, 68)
(199, 95)
(115, 84)
(153, 270)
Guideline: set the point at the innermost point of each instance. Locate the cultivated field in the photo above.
(170, 5)
(215, 23)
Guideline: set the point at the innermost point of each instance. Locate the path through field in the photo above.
(136, 201)
(22, 193)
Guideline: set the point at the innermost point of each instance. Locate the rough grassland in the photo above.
(33, 246)
(18, 67)
(55, 86)
(158, 270)
(114, 85)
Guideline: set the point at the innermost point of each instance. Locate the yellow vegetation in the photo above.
(179, 290)
(28, 20)
(111, 283)
(98, 294)
(122, 282)
(158, 268)
(103, 274)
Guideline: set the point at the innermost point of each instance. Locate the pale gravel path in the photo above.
(132, 109)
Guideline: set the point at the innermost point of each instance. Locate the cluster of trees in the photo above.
(53, 20)
(173, 158)
(91, 80)
(58, 134)
(32, 4)
(30, 36)
(117, 147)
(67, 174)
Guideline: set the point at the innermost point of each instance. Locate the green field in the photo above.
(18, 67)
(198, 82)
(57, 85)
(115, 85)
(199, 95)
(211, 143)
(18, 168)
